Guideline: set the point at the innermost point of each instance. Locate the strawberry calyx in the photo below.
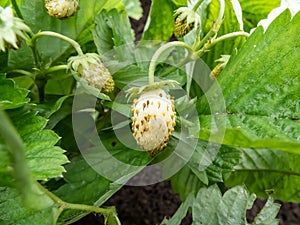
(90, 67)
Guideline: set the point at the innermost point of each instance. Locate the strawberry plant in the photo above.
(86, 109)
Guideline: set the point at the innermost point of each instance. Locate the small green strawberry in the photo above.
(222, 62)
(185, 20)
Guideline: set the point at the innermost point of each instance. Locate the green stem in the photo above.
(57, 35)
(65, 205)
(175, 67)
(56, 68)
(23, 72)
(227, 36)
(58, 213)
(215, 28)
(219, 39)
(196, 6)
(157, 54)
(41, 82)
(90, 208)
(221, 12)
(16, 148)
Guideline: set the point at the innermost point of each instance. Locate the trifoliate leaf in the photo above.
(10, 96)
(210, 207)
(112, 29)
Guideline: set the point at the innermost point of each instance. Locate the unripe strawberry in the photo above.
(185, 20)
(90, 67)
(153, 120)
(62, 8)
(181, 28)
(12, 29)
(222, 62)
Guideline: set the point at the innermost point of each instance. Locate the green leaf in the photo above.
(267, 214)
(210, 207)
(129, 64)
(13, 212)
(209, 164)
(84, 177)
(133, 8)
(6, 177)
(112, 29)
(43, 158)
(185, 182)
(242, 131)
(264, 171)
(254, 11)
(21, 58)
(51, 104)
(181, 212)
(261, 100)
(160, 22)
(266, 90)
(10, 96)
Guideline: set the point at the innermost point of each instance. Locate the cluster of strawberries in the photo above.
(154, 116)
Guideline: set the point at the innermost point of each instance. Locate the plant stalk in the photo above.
(219, 39)
(16, 149)
(196, 6)
(56, 68)
(65, 205)
(57, 35)
(157, 54)
(215, 28)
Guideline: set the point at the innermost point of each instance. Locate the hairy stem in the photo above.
(16, 148)
(57, 35)
(65, 205)
(196, 6)
(157, 54)
(22, 72)
(215, 28)
(219, 39)
(56, 68)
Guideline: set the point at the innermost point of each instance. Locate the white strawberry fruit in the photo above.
(62, 8)
(153, 120)
(90, 67)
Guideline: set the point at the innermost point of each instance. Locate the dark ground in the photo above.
(150, 204)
